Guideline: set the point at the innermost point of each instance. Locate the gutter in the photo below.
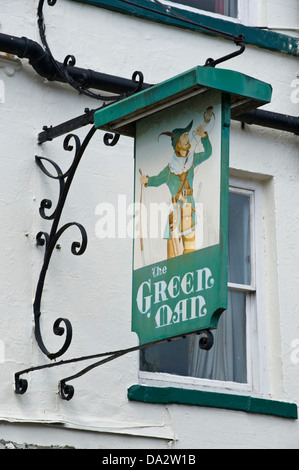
(43, 64)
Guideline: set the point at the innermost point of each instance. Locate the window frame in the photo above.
(256, 349)
(247, 12)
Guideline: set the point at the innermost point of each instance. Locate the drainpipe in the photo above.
(263, 118)
(42, 63)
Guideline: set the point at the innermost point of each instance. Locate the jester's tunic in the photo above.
(172, 175)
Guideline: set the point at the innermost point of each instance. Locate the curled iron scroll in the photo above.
(77, 249)
(110, 139)
(62, 326)
(206, 340)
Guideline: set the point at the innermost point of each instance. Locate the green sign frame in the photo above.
(187, 292)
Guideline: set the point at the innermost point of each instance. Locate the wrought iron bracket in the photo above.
(239, 41)
(50, 133)
(49, 240)
(66, 391)
(172, 13)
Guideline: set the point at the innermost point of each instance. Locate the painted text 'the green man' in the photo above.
(154, 298)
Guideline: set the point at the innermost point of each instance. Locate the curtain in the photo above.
(227, 7)
(219, 7)
(226, 360)
(239, 248)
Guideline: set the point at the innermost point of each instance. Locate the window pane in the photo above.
(239, 236)
(225, 361)
(224, 7)
(171, 357)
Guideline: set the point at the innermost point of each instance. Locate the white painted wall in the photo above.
(283, 16)
(94, 291)
(273, 14)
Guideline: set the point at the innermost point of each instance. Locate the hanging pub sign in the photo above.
(180, 253)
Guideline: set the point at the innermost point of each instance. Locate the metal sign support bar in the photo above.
(67, 391)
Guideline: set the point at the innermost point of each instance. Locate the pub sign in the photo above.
(181, 183)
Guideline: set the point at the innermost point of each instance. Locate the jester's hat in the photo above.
(176, 134)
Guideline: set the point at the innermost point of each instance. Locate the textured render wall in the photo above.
(94, 291)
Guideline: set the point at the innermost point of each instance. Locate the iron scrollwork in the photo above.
(206, 340)
(49, 240)
(21, 385)
(67, 391)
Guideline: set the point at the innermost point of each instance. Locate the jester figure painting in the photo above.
(178, 175)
